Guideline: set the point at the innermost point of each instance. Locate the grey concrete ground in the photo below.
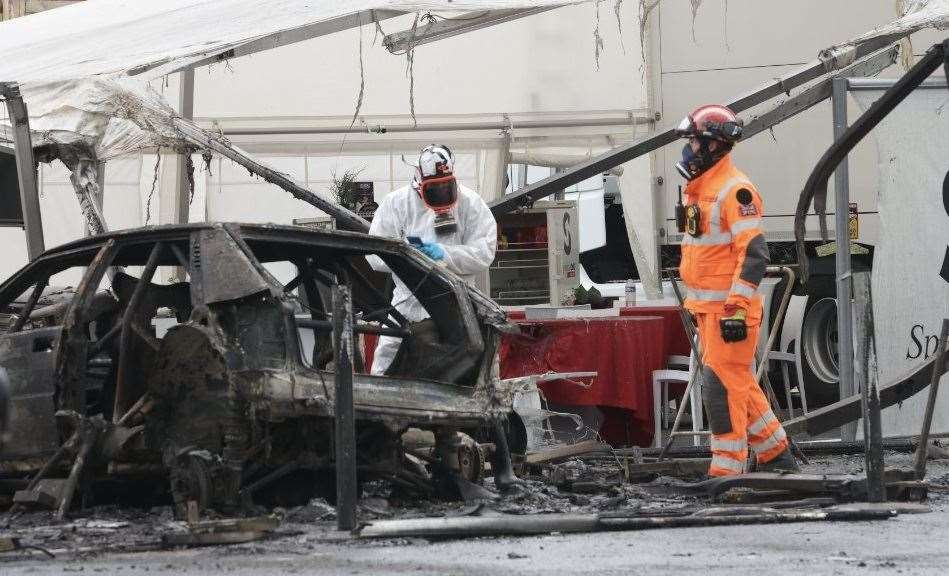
(908, 544)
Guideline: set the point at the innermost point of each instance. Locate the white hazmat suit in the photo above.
(469, 250)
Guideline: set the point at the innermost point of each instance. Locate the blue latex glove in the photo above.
(433, 250)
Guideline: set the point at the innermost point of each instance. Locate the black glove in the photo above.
(733, 326)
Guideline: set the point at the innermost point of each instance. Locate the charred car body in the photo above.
(222, 380)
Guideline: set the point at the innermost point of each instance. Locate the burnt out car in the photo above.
(203, 354)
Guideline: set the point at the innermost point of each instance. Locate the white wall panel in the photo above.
(543, 62)
(370, 167)
(263, 203)
(766, 39)
(742, 33)
(122, 203)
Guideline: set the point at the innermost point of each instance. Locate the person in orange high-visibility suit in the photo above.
(724, 257)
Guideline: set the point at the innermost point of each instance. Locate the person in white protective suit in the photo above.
(448, 222)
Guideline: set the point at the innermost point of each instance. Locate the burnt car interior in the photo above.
(438, 348)
(128, 312)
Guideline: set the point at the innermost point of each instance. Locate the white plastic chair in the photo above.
(790, 353)
(660, 395)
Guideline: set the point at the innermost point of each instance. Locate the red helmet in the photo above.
(713, 122)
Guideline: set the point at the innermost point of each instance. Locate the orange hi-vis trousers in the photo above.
(738, 411)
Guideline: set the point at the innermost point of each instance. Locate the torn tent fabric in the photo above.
(110, 116)
(83, 68)
(920, 14)
(150, 39)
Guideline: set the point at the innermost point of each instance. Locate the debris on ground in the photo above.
(226, 405)
(509, 524)
(605, 501)
(226, 531)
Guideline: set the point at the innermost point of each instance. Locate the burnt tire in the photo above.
(190, 480)
(197, 420)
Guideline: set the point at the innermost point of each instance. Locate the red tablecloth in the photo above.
(368, 343)
(622, 350)
(676, 340)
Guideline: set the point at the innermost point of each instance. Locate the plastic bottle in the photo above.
(630, 292)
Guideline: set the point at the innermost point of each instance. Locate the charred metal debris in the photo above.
(218, 387)
(215, 394)
(217, 391)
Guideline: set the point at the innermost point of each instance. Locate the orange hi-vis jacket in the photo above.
(724, 263)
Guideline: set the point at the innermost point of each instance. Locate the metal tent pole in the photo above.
(871, 407)
(783, 85)
(842, 223)
(25, 168)
(346, 486)
(185, 176)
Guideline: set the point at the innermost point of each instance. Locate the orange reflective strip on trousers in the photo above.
(739, 414)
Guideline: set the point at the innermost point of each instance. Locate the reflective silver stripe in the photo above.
(743, 290)
(715, 218)
(761, 423)
(727, 463)
(707, 295)
(716, 239)
(743, 225)
(773, 441)
(729, 445)
(715, 235)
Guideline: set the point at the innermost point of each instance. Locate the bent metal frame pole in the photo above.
(345, 413)
(870, 398)
(25, 168)
(817, 181)
(842, 225)
(827, 64)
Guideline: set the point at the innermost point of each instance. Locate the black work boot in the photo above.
(784, 462)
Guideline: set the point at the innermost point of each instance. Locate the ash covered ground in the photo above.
(110, 539)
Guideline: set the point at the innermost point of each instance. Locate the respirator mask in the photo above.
(437, 187)
(694, 164)
(688, 167)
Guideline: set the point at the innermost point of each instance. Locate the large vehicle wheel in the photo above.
(821, 359)
(818, 341)
(818, 335)
(190, 480)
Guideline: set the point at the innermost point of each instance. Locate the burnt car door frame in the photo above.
(77, 347)
(75, 342)
(40, 347)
